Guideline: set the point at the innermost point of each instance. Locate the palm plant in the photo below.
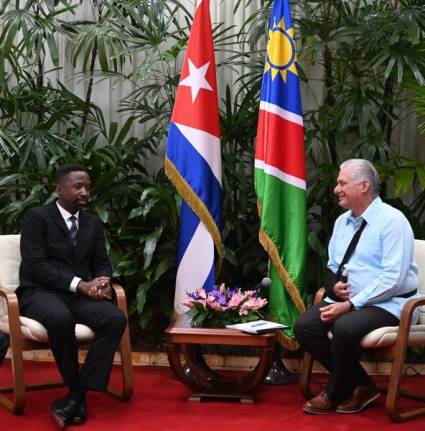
(42, 125)
(365, 50)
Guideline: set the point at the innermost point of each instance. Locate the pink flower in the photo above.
(252, 304)
(236, 300)
(188, 302)
(212, 303)
(260, 303)
(222, 305)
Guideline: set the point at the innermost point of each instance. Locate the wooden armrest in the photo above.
(120, 297)
(7, 294)
(406, 314)
(13, 317)
(11, 304)
(319, 295)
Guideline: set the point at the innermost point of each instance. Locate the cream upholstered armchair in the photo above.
(27, 334)
(391, 342)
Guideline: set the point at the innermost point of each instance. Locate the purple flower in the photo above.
(219, 297)
(198, 295)
(227, 305)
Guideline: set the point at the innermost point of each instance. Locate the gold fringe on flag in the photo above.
(288, 283)
(198, 207)
(288, 342)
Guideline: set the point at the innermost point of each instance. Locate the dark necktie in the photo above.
(74, 229)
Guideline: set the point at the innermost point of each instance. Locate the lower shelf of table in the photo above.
(207, 383)
(224, 390)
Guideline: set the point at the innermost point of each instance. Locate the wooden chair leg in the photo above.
(17, 404)
(16, 348)
(18, 389)
(127, 388)
(126, 391)
(394, 392)
(305, 376)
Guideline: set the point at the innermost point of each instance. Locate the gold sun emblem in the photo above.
(281, 56)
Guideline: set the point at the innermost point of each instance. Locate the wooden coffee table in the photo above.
(186, 340)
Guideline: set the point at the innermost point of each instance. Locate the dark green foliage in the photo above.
(360, 53)
(368, 52)
(43, 124)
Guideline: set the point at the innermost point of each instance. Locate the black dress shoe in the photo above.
(63, 411)
(80, 415)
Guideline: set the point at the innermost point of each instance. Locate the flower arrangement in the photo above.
(223, 306)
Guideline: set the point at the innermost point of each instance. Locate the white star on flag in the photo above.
(196, 79)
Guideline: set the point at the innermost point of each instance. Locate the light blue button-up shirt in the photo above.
(382, 265)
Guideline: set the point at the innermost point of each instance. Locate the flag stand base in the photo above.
(188, 372)
(278, 374)
(190, 375)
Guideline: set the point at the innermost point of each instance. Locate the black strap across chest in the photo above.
(350, 249)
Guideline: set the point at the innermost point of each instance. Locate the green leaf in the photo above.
(103, 60)
(316, 244)
(136, 212)
(161, 269)
(146, 318)
(403, 180)
(141, 296)
(150, 245)
(102, 213)
(10, 179)
(420, 170)
(230, 256)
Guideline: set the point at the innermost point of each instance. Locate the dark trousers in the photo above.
(59, 313)
(3, 346)
(340, 355)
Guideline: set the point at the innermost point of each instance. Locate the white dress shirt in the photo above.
(67, 218)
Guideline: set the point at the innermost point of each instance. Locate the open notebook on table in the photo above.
(258, 326)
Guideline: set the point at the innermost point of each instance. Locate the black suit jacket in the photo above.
(49, 258)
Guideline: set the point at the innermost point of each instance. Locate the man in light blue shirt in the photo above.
(367, 293)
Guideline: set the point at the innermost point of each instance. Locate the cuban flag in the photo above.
(193, 162)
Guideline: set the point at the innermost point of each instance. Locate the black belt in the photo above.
(408, 294)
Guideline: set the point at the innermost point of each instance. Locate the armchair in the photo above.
(391, 342)
(27, 334)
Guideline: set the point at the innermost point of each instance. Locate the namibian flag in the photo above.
(280, 177)
(193, 161)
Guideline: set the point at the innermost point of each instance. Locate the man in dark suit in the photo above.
(65, 279)
(3, 346)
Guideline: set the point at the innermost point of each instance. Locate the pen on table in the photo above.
(258, 324)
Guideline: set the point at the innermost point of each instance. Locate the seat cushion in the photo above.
(386, 336)
(10, 259)
(35, 331)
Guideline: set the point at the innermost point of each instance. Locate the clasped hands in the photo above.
(331, 312)
(98, 288)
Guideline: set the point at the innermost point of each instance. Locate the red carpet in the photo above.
(159, 404)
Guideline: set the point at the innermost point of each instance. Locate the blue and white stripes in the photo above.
(194, 166)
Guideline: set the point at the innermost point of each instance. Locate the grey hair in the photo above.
(363, 170)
